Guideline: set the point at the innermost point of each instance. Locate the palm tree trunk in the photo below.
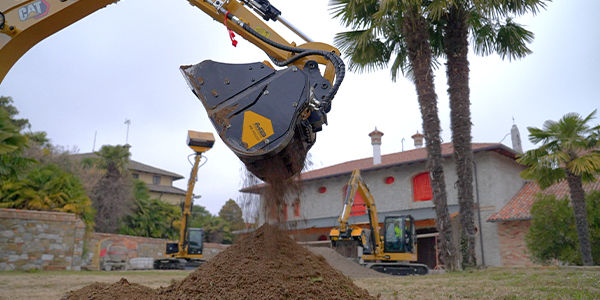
(581, 222)
(419, 53)
(457, 71)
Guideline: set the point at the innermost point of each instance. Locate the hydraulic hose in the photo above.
(338, 63)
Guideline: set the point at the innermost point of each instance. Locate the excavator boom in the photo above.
(268, 117)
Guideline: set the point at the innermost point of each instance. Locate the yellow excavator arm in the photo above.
(269, 118)
(345, 231)
(24, 23)
(390, 250)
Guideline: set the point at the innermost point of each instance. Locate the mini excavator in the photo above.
(268, 117)
(187, 252)
(391, 250)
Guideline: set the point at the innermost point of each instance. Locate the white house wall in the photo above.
(498, 181)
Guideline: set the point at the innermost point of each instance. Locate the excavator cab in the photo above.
(193, 242)
(399, 234)
(195, 236)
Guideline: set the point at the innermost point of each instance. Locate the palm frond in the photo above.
(436, 9)
(354, 14)
(366, 53)
(512, 39)
(589, 163)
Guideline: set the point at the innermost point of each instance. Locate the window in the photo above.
(135, 176)
(422, 187)
(359, 207)
(155, 179)
(296, 206)
(279, 214)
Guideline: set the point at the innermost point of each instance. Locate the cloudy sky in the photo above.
(122, 62)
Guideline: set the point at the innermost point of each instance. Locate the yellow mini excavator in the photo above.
(187, 252)
(391, 250)
(268, 117)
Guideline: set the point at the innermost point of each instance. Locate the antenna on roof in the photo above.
(127, 122)
(94, 145)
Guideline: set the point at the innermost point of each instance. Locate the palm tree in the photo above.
(405, 32)
(569, 151)
(12, 144)
(493, 30)
(48, 187)
(112, 196)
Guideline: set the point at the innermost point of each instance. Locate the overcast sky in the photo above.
(122, 62)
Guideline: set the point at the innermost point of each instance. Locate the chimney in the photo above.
(516, 139)
(418, 139)
(376, 142)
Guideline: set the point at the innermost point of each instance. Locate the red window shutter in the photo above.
(422, 187)
(359, 207)
(297, 208)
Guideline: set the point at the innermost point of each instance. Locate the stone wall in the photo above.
(99, 244)
(513, 249)
(40, 240)
(48, 240)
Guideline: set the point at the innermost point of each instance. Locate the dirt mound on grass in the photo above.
(121, 290)
(265, 264)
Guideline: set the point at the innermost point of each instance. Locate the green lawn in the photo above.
(490, 283)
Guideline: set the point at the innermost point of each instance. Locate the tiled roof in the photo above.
(137, 166)
(388, 160)
(165, 189)
(519, 207)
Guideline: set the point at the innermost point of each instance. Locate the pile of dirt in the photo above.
(120, 290)
(265, 264)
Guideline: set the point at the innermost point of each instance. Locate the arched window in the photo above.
(422, 187)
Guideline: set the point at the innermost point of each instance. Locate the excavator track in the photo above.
(398, 268)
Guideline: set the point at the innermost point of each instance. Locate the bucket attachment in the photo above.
(267, 117)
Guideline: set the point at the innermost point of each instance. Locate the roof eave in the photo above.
(509, 219)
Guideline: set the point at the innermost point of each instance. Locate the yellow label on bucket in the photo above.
(256, 129)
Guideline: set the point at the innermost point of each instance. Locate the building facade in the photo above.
(159, 181)
(399, 183)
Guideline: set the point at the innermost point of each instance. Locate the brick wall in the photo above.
(40, 240)
(57, 241)
(513, 249)
(98, 244)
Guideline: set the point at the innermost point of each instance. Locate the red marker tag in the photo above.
(231, 34)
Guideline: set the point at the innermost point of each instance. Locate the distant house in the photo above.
(159, 181)
(400, 184)
(514, 219)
